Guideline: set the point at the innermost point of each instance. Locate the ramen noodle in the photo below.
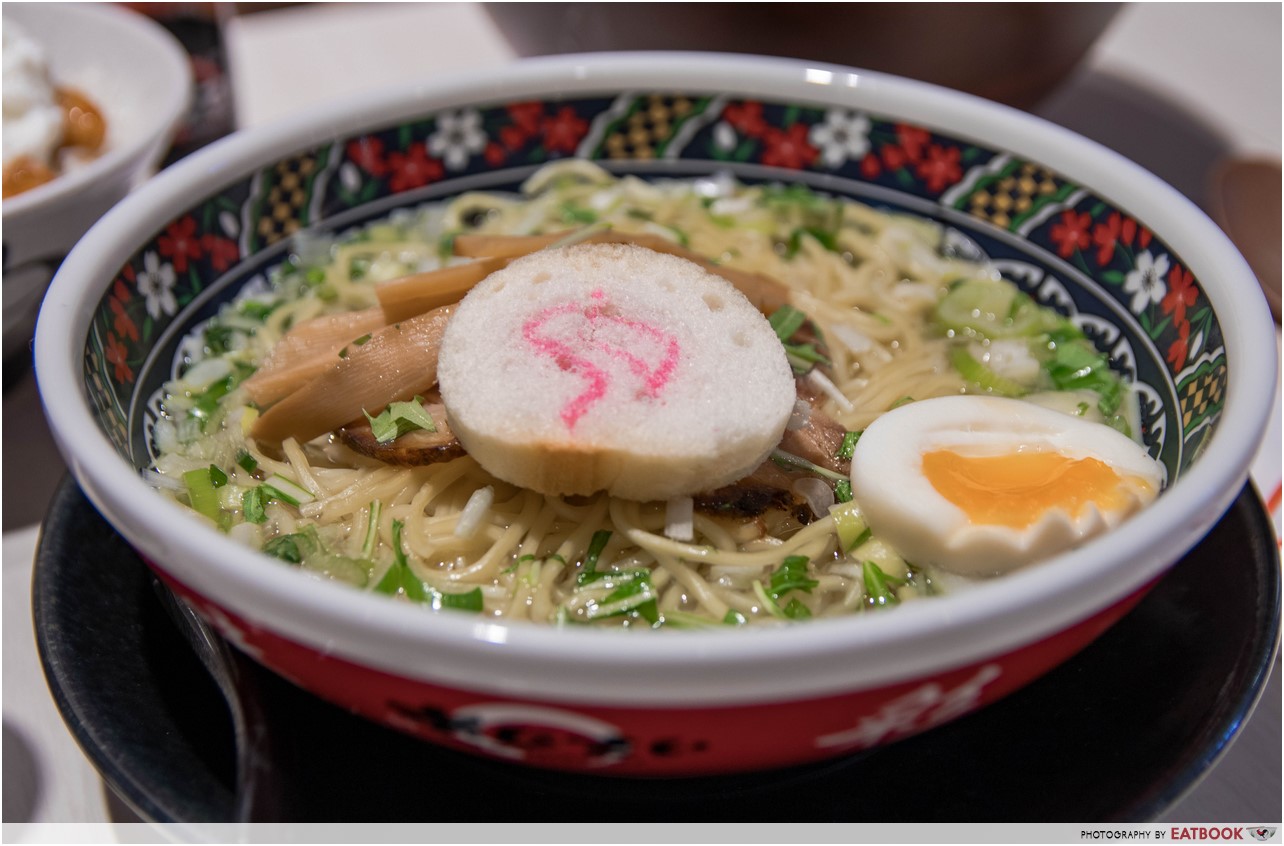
(882, 311)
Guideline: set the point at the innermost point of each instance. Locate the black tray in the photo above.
(1119, 733)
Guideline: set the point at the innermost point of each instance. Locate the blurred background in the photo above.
(1189, 90)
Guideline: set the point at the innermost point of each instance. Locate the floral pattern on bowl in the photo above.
(1131, 292)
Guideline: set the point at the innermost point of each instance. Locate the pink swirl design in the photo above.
(568, 352)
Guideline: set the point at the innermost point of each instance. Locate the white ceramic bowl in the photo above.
(139, 75)
(720, 700)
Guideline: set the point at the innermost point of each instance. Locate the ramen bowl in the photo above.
(138, 76)
(1146, 276)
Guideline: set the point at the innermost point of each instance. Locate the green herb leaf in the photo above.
(595, 547)
(399, 418)
(878, 585)
(786, 320)
(791, 575)
(253, 505)
(294, 548)
(794, 462)
(843, 491)
(466, 601)
(795, 610)
(848, 448)
(734, 618)
(285, 547)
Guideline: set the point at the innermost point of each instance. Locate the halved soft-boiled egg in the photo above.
(980, 485)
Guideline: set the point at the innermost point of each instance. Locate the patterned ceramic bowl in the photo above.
(1147, 276)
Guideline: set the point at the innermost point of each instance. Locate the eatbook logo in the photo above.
(1261, 833)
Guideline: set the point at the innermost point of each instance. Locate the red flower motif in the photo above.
(367, 154)
(123, 323)
(1179, 348)
(116, 353)
(912, 140)
(869, 166)
(1117, 230)
(746, 118)
(788, 147)
(513, 136)
(180, 243)
(527, 116)
(222, 252)
(563, 131)
(1106, 236)
(1071, 233)
(941, 168)
(494, 154)
(413, 169)
(1182, 294)
(119, 290)
(894, 158)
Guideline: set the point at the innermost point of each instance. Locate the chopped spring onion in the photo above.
(246, 462)
(829, 389)
(217, 477)
(580, 235)
(288, 492)
(843, 491)
(850, 525)
(474, 513)
(201, 493)
(202, 375)
(734, 618)
(634, 595)
(856, 341)
(399, 418)
(977, 373)
(788, 460)
(679, 519)
(160, 480)
(824, 238)
(993, 309)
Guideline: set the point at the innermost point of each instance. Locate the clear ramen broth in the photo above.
(882, 310)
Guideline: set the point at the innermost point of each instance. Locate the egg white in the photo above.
(903, 507)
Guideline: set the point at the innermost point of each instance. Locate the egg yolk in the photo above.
(1017, 489)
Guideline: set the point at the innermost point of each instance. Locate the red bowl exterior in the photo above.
(575, 737)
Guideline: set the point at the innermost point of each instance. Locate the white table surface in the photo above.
(1163, 67)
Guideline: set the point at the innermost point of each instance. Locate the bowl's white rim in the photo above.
(171, 63)
(688, 669)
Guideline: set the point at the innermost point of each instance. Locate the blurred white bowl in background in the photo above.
(139, 77)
